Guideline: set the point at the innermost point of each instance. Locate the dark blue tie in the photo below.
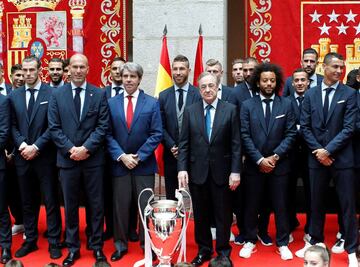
(181, 98)
(31, 101)
(77, 101)
(300, 99)
(208, 121)
(326, 102)
(267, 111)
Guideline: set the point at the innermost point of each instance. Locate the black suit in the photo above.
(39, 172)
(209, 164)
(334, 134)
(226, 93)
(261, 141)
(67, 131)
(5, 225)
(171, 131)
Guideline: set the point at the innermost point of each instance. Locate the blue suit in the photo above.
(171, 132)
(39, 172)
(67, 131)
(239, 94)
(226, 93)
(289, 89)
(261, 141)
(5, 225)
(142, 138)
(335, 135)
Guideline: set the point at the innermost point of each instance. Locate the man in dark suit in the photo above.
(78, 122)
(116, 86)
(308, 62)
(328, 123)
(136, 131)
(241, 93)
(237, 71)
(210, 162)
(172, 104)
(5, 224)
(299, 154)
(214, 66)
(5, 88)
(268, 131)
(56, 72)
(34, 159)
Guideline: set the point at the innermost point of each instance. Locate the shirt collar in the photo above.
(334, 86)
(83, 86)
(220, 87)
(113, 85)
(185, 87)
(296, 95)
(214, 104)
(263, 97)
(313, 77)
(59, 85)
(36, 87)
(134, 95)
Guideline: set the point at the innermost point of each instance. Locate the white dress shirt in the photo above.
(113, 91)
(331, 94)
(28, 94)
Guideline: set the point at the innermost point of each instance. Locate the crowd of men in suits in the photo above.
(239, 150)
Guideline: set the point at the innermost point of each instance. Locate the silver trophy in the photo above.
(165, 222)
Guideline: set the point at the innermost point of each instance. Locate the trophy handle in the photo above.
(147, 209)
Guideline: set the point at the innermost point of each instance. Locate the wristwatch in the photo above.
(276, 157)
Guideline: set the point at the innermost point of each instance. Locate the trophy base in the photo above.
(164, 265)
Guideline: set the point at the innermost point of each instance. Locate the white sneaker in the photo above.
(301, 252)
(213, 233)
(338, 247)
(291, 238)
(247, 250)
(17, 229)
(285, 253)
(232, 237)
(353, 262)
(307, 238)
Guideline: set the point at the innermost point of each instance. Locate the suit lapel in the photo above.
(338, 93)
(200, 120)
(172, 103)
(260, 112)
(140, 103)
(40, 97)
(219, 113)
(318, 102)
(22, 102)
(70, 99)
(120, 106)
(87, 101)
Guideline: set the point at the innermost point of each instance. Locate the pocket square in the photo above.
(280, 116)
(45, 102)
(341, 101)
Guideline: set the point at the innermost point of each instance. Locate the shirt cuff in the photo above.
(235, 175)
(35, 147)
(259, 161)
(119, 157)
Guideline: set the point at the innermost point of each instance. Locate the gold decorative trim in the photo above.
(259, 29)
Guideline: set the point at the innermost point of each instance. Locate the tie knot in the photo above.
(117, 88)
(209, 107)
(78, 90)
(180, 90)
(300, 98)
(267, 100)
(31, 90)
(129, 97)
(328, 90)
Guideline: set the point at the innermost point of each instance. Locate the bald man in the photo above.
(78, 121)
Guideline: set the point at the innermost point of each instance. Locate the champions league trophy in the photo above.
(165, 222)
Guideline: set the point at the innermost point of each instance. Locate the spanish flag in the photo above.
(199, 68)
(163, 81)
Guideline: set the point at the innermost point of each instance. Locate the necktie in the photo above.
(208, 121)
(300, 100)
(77, 101)
(267, 111)
(181, 98)
(117, 89)
(326, 102)
(129, 111)
(31, 101)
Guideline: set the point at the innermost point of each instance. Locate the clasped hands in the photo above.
(323, 156)
(267, 164)
(28, 152)
(79, 153)
(130, 160)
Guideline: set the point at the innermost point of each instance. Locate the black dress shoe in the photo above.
(117, 255)
(99, 255)
(5, 255)
(71, 258)
(133, 237)
(55, 251)
(200, 259)
(25, 249)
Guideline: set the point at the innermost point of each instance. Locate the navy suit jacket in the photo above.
(357, 133)
(4, 128)
(68, 131)
(258, 141)
(295, 108)
(170, 124)
(33, 130)
(289, 89)
(239, 94)
(226, 93)
(221, 155)
(334, 134)
(8, 88)
(142, 139)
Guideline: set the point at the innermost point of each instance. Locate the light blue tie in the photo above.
(208, 121)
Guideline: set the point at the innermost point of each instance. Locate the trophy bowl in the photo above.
(165, 222)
